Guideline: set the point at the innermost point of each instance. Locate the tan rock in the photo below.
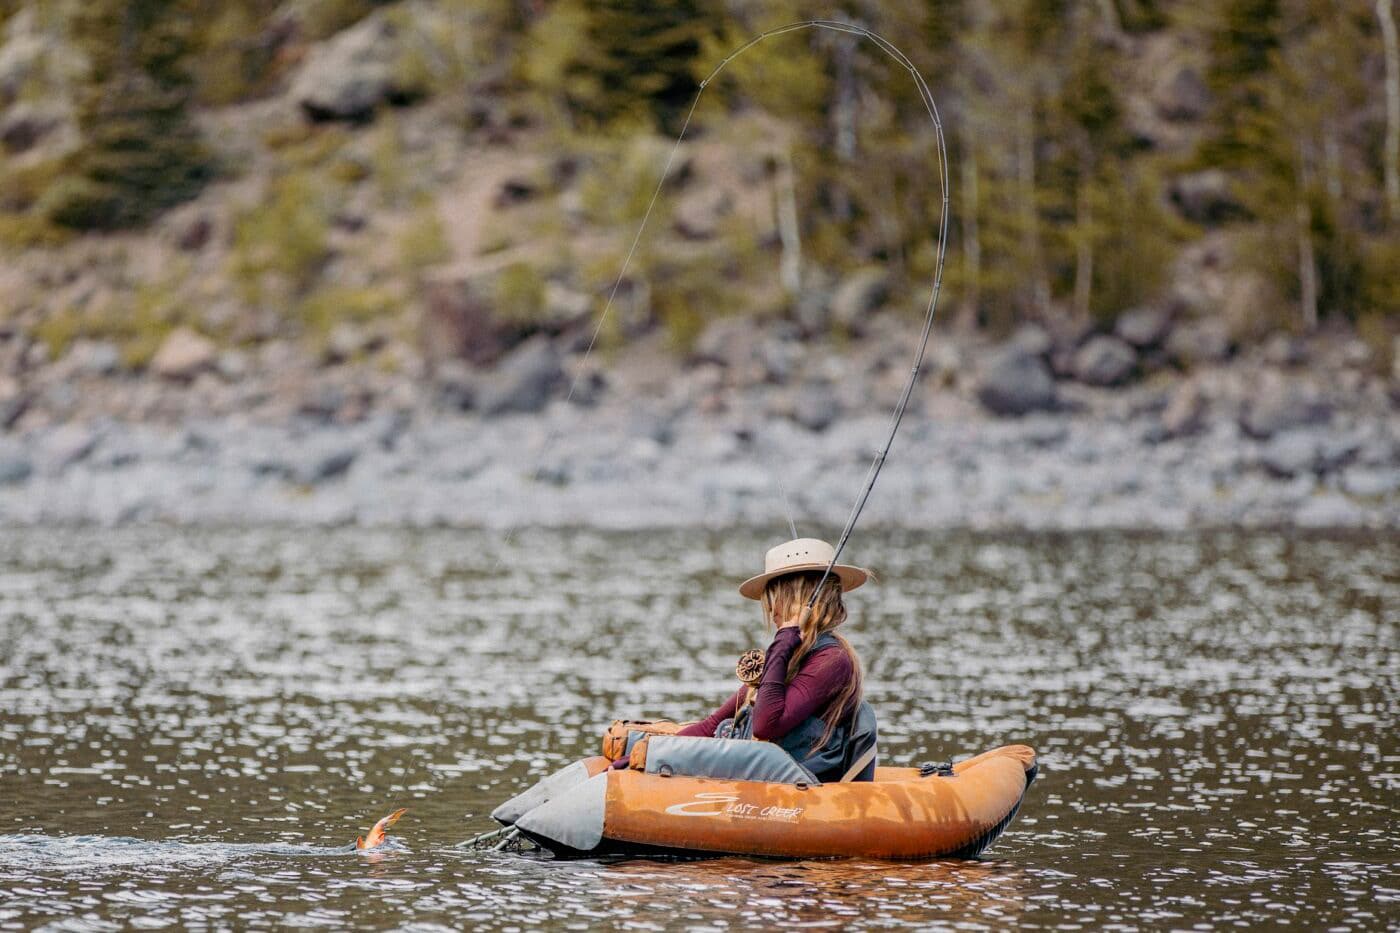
(183, 355)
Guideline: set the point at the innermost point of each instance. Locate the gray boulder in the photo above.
(232, 365)
(1285, 350)
(23, 48)
(1364, 482)
(1205, 197)
(779, 359)
(324, 462)
(1104, 361)
(353, 73)
(15, 467)
(1185, 413)
(25, 125)
(1275, 410)
(12, 408)
(524, 380)
(1290, 455)
(1182, 96)
(92, 358)
(347, 341)
(1045, 433)
(815, 407)
(724, 340)
(699, 212)
(1014, 382)
(1330, 510)
(564, 305)
(456, 385)
(65, 446)
(1033, 339)
(859, 294)
(1198, 342)
(320, 457)
(1143, 327)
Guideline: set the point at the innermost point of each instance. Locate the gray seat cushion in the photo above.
(725, 759)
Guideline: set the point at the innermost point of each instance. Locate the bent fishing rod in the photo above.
(926, 96)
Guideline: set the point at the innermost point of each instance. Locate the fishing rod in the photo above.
(926, 96)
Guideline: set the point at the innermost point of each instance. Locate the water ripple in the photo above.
(195, 724)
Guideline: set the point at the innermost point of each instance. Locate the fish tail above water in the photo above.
(379, 831)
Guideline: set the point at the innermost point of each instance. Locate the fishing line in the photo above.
(787, 506)
(582, 368)
(926, 96)
(902, 405)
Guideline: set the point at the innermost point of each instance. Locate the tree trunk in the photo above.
(1331, 162)
(1386, 14)
(1030, 213)
(1112, 22)
(1084, 243)
(790, 265)
(1307, 267)
(972, 241)
(843, 121)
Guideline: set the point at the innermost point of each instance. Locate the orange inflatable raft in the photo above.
(904, 813)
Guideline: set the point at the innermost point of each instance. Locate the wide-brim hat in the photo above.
(796, 556)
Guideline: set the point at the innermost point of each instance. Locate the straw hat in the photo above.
(798, 555)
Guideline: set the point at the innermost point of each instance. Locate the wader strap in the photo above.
(859, 765)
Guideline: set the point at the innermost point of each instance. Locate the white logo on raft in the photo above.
(717, 804)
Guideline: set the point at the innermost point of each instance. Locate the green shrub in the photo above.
(282, 243)
(58, 330)
(137, 322)
(690, 292)
(305, 147)
(619, 181)
(22, 186)
(423, 241)
(322, 18)
(28, 231)
(1379, 332)
(234, 62)
(388, 163)
(1380, 285)
(519, 293)
(326, 307)
(80, 203)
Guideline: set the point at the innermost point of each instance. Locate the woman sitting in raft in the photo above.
(810, 690)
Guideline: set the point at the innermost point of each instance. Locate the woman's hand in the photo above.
(797, 620)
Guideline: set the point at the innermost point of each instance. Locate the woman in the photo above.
(811, 683)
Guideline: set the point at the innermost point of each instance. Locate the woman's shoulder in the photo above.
(831, 656)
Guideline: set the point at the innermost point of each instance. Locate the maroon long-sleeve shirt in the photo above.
(781, 707)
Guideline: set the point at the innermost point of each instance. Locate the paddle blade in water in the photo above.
(379, 831)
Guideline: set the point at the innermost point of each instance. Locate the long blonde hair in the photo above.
(783, 599)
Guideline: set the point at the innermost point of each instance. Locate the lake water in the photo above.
(194, 724)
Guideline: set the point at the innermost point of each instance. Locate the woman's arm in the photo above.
(781, 707)
(707, 726)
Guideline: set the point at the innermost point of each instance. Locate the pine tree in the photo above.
(1243, 43)
(141, 152)
(623, 60)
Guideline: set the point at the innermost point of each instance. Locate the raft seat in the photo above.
(724, 759)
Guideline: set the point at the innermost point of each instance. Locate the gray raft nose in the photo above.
(542, 791)
(572, 821)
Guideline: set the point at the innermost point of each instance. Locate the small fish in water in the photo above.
(379, 831)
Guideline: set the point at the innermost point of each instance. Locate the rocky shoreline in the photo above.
(1017, 434)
